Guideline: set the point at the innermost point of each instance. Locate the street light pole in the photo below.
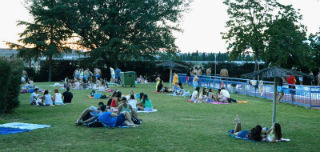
(215, 64)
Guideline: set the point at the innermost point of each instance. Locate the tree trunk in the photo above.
(50, 68)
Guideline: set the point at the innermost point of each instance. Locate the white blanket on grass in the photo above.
(21, 125)
(153, 110)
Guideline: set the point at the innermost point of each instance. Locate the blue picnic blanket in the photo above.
(18, 127)
(6, 130)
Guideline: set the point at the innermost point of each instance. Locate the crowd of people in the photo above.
(208, 95)
(119, 110)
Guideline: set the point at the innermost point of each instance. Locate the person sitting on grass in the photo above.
(111, 98)
(203, 95)
(145, 104)
(57, 98)
(223, 95)
(109, 119)
(34, 98)
(258, 133)
(195, 95)
(115, 101)
(124, 106)
(160, 86)
(210, 96)
(46, 99)
(89, 115)
(67, 96)
(140, 96)
(133, 102)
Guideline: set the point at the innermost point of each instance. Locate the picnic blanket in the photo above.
(6, 130)
(218, 102)
(242, 101)
(56, 85)
(153, 110)
(230, 133)
(18, 127)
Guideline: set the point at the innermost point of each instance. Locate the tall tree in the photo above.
(47, 34)
(247, 24)
(286, 43)
(121, 29)
(314, 55)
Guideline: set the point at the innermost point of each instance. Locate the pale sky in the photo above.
(201, 26)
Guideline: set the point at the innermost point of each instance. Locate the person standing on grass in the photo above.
(188, 76)
(118, 71)
(113, 74)
(280, 88)
(195, 81)
(67, 96)
(292, 88)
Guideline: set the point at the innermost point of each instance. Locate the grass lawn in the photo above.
(177, 126)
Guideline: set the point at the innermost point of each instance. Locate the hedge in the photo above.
(10, 80)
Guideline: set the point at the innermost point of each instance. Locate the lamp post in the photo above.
(215, 64)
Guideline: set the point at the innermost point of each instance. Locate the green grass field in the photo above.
(177, 126)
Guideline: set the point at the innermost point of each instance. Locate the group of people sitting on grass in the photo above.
(258, 133)
(117, 102)
(47, 100)
(207, 95)
(118, 111)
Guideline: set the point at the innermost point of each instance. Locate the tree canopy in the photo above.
(122, 29)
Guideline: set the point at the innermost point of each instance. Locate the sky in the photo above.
(201, 25)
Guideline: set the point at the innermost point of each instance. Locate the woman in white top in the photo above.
(133, 102)
(195, 94)
(47, 99)
(57, 98)
(204, 95)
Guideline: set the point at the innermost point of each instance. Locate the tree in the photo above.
(47, 35)
(247, 25)
(120, 29)
(286, 44)
(314, 55)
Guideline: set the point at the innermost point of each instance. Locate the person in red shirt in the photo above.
(292, 88)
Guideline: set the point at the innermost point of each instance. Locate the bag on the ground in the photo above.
(95, 124)
(136, 121)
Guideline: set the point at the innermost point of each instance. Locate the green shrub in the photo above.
(14, 85)
(5, 71)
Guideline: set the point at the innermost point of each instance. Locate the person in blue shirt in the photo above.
(118, 71)
(89, 115)
(109, 119)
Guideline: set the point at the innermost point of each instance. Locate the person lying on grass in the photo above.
(109, 119)
(145, 104)
(125, 107)
(258, 133)
(89, 115)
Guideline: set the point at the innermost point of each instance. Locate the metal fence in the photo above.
(303, 95)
